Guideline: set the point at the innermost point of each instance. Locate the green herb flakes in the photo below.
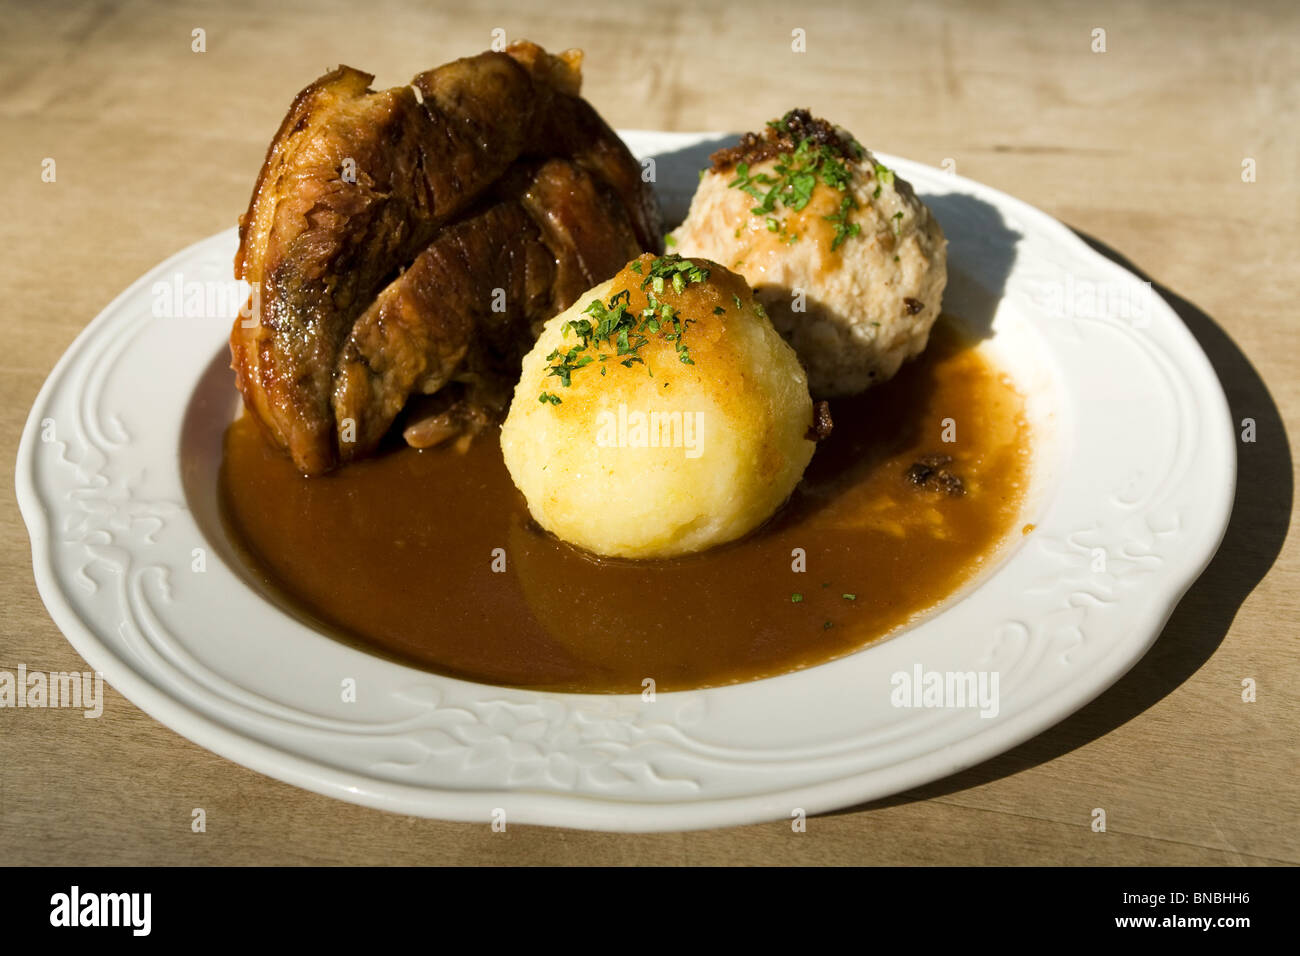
(612, 324)
(796, 176)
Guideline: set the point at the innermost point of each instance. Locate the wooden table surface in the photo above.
(1140, 147)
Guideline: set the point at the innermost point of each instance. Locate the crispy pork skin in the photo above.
(400, 240)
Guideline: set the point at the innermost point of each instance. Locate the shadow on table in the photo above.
(1256, 531)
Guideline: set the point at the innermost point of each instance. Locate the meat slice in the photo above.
(382, 222)
(585, 226)
(422, 328)
(468, 304)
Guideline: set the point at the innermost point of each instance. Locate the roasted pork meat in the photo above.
(402, 241)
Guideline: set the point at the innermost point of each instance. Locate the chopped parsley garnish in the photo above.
(614, 324)
(796, 598)
(884, 177)
(840, 220)
(796, 176)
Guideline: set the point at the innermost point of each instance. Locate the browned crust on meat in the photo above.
(320, 249)
(299, 110)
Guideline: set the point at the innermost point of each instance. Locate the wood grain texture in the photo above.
(1140, 148)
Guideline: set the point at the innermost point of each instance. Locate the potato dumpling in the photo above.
(660, 415)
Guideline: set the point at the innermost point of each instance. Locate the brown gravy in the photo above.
(397, 552)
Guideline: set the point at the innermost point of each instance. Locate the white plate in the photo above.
(1133, 480)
